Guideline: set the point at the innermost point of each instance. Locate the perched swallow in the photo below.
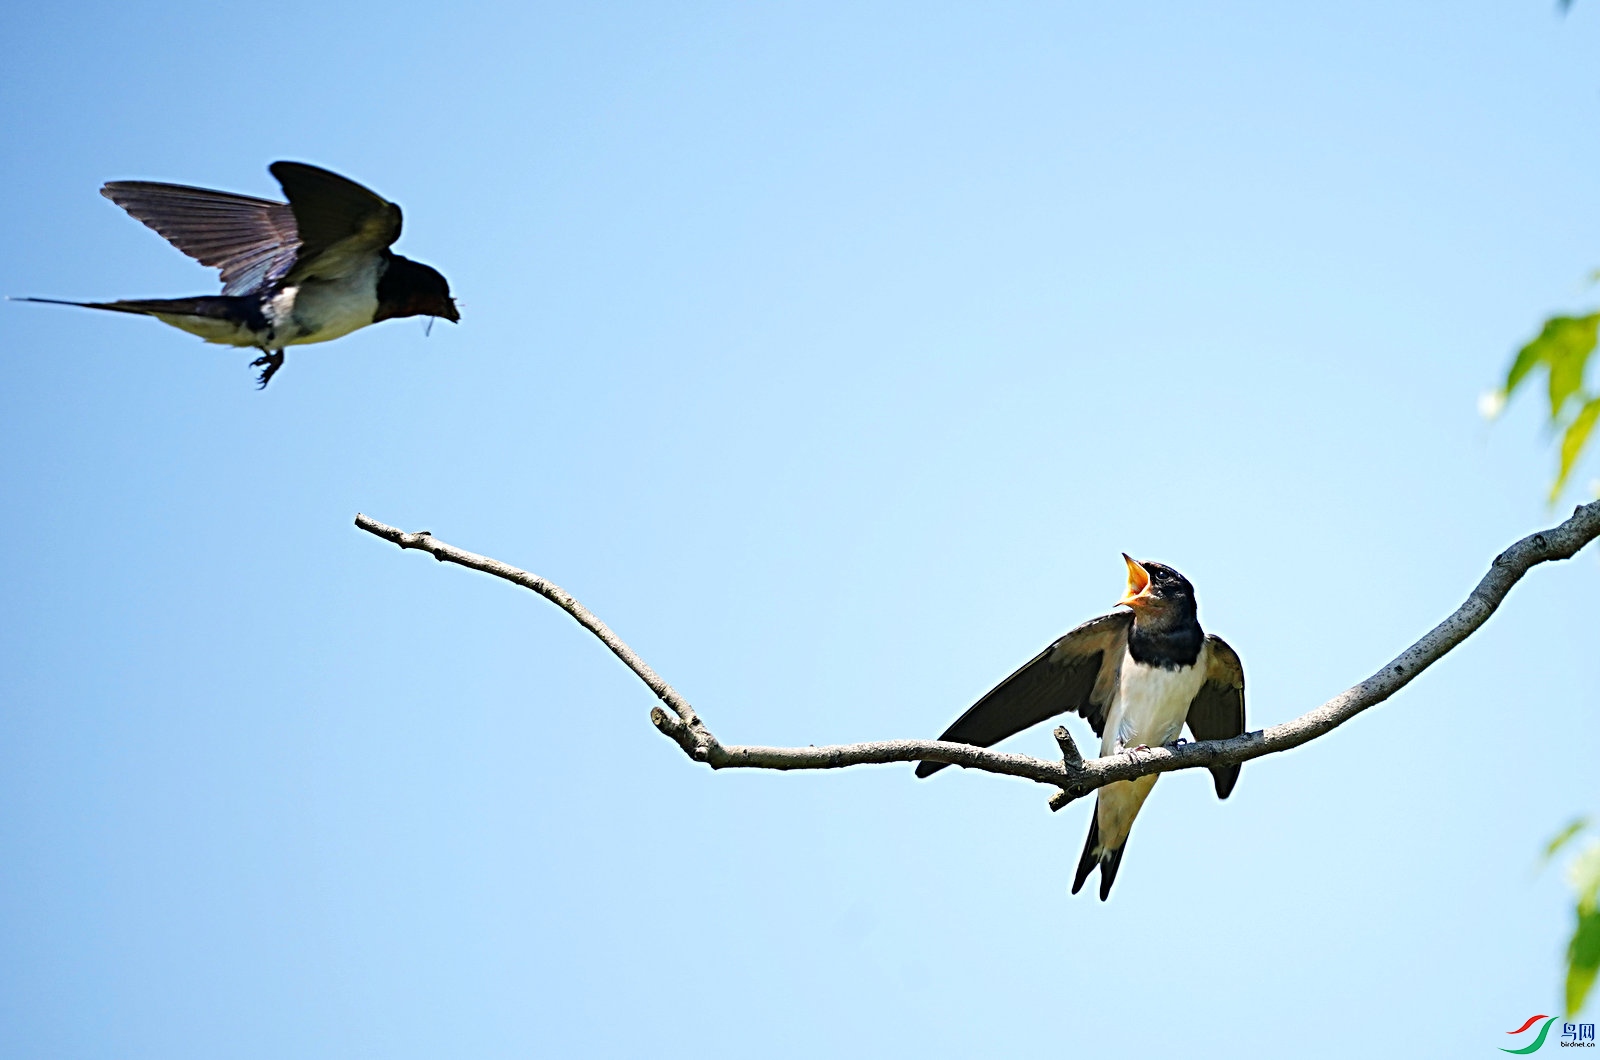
(309, 270)
(1137, 675)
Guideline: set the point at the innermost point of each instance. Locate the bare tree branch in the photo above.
(1074, 775)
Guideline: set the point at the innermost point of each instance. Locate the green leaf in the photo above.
(1566, 377)
(1573, 441)
(1527, 357)
(1583, 960)
(1584, 876)
(1563, 347)
(1562, 836)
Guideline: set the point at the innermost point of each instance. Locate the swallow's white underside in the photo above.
(1150, 707)
(314, 311)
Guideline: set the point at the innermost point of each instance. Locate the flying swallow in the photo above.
(1137, 676)
(315, 268)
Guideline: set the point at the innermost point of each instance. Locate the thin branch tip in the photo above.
(1069, 747)
(1064, 798)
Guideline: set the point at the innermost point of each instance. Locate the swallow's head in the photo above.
(411, 289)
(1156, 588)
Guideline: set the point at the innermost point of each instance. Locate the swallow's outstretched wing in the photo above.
(327, 229)
(253, 241)
(1077, 673)
(340, 223)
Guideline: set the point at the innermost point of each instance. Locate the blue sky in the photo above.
(831, 353)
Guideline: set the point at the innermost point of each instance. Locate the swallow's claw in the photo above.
(269, 363)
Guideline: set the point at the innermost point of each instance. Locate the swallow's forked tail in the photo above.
(1108, 860)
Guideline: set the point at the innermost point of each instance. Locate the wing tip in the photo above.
(111, 189)
(283, 165)
(116, 191)
(928, 769)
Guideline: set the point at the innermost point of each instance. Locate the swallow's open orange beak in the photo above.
(1138, 583)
